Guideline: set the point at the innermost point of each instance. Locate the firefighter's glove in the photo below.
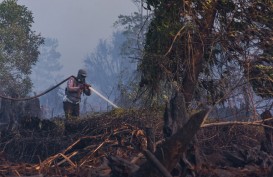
(82, 86)
(87, 86)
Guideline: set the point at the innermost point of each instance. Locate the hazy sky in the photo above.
(77, 25)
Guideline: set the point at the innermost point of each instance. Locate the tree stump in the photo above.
(171, 150)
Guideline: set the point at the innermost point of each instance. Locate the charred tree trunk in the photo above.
(33, 108)
(175, 116)
(4, 111)
(267, 142)
(170, 151)
(10, 113)
(150, 139)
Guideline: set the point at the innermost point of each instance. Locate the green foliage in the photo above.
(18, 47)
(192, 40)
(261, 77)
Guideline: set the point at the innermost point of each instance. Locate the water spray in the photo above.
(103, 97)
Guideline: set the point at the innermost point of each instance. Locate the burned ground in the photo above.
(109, 144)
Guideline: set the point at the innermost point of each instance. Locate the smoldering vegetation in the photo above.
(116, 144)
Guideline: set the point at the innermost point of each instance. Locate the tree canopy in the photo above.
(192, 41)
(18, 47)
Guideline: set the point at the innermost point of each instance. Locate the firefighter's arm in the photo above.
(71, 86)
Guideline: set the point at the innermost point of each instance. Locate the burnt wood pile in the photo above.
(132, 143)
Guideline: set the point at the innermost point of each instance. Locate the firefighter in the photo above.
(76, 87)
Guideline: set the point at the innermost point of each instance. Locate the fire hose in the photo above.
(52, 88)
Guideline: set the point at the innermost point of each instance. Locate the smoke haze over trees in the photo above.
(198, 76)
(107, 68)
(112, 66)
(45, 72)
